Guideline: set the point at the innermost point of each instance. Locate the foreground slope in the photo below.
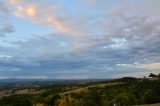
(120, 92)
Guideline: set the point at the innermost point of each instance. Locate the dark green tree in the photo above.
(124, 99)
(16, 100)
(150, 97)
(152, 75)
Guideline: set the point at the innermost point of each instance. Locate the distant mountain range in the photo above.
(15, 80)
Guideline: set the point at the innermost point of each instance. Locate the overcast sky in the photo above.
(79, 39)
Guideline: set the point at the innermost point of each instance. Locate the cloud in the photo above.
(32, 77)
(5, 25)
(6, 28)
(118, 11)
(134, 74)
(72, 77)
(40, 13)
(25, 77)
(151, 66)
(1, 77)
(5, 56)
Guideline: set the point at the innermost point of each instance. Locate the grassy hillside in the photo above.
(157, 104)
(119, 92)
(85, 89)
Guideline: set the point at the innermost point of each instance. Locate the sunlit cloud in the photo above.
(150, 66)
(40, 13)
(31, 11)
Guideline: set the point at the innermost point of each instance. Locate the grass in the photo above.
(85, 89)
(149, 105)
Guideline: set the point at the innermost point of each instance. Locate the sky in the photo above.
(79, 39)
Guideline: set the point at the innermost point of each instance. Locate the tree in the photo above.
(124, 99)
(152, 75)
(150, 97)
(52, 101)
(16, 100)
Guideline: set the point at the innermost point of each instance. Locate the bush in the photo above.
(16, 100)
(124, 99)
